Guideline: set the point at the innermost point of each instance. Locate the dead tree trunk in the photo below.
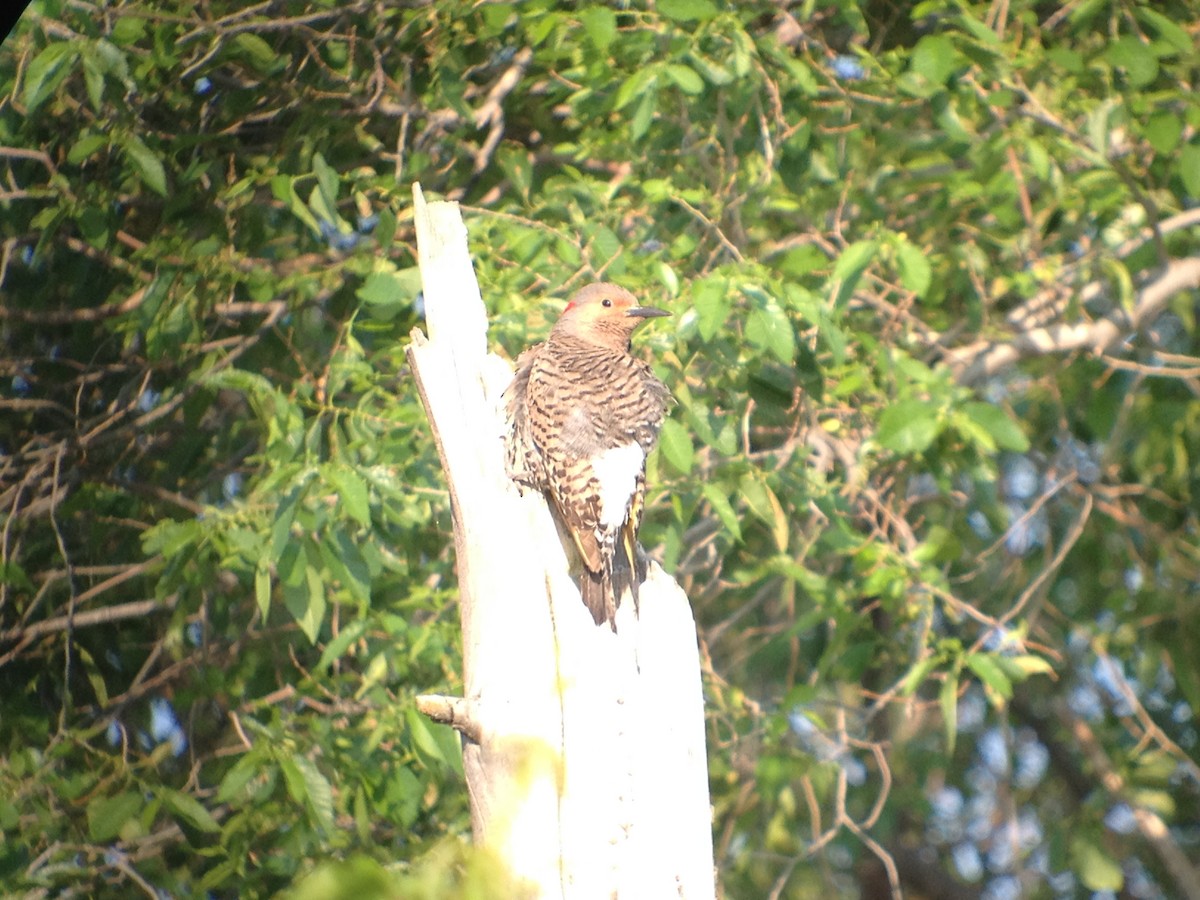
(583, 749)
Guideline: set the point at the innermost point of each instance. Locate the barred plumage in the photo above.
(583, 415)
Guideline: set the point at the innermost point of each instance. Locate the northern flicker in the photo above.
(583, 414)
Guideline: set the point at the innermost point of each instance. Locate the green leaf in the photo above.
(711, 300)
(406, 790)
(95, 675)
(306, 601)
(985, 667)
(917, 674)
(948, 699)
(934, 58)
(724, 509)
(687, 10)
(351, 490)
(676, 445)
(1168, 29)
(997, 422)
(426, 742)
(636, 87)
(128, 29)
(170, 537)
(255, 50)
(318, 795)
(770, 329)
(908, 427)
(293, 779)
(46, 72)
(281, 529)
(187, 807)
(854, 259)
(604, 243)
(1099, 125)
(149, 167)
(1028, 664)
(849, 267)
(83, 148)
(600, 23)
(284, 189)
(262, 588)
(1096, 869)
(349, 634)
(94, 226)
(643, 115)
(233, 785)
(328, 182)
(915, 271)
(1164, 131)
(766, 506)
(106, 816)
(713, 71)
(324, 211)
(1189, 169)
(388, 291)
(344, 559)
(385, 231)
(93, 80)
(1135, 58)
(687, 79)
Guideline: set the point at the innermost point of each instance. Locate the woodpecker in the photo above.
(583, 414)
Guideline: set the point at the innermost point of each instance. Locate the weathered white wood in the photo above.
(585, 757)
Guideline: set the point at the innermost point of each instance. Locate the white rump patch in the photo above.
(617, 470)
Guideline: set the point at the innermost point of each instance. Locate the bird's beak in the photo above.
(646, 312)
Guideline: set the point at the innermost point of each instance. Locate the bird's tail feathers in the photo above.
(596, 588)
(603, 591)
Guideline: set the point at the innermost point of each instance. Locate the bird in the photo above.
(582, 416)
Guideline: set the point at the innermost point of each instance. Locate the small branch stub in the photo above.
(452, 711)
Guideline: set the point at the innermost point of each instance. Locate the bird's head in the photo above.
(604, 314)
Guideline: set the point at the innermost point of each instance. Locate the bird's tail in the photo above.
(603, 591)
(596, 588)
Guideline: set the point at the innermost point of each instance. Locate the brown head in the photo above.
(603, 314)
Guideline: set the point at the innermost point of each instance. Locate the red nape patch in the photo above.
(570, 306)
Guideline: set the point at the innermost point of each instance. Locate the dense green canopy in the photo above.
(931, 480)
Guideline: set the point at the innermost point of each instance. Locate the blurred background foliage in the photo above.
(938, 526)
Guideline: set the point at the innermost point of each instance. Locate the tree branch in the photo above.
(980, 361)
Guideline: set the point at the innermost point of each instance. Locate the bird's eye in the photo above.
(606, 302)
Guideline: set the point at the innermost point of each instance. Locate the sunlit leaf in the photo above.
(990, 674)
(46, 72)
(1096, 869)
(999, 424)
(676, 445)
(351, 491)
(685, 77)
(1189, 169)
(908, 426)
(600, 23)
(915, 271)
(318, 795)
(724, 510)
(149, 167)
(711, 300)
(948, 701)
(934, 57)
(1138, 61)
(108, 814)
(188, 808)
(687, 10)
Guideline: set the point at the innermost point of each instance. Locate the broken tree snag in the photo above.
(583, 749)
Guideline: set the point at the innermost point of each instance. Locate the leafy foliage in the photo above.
(937, 523)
